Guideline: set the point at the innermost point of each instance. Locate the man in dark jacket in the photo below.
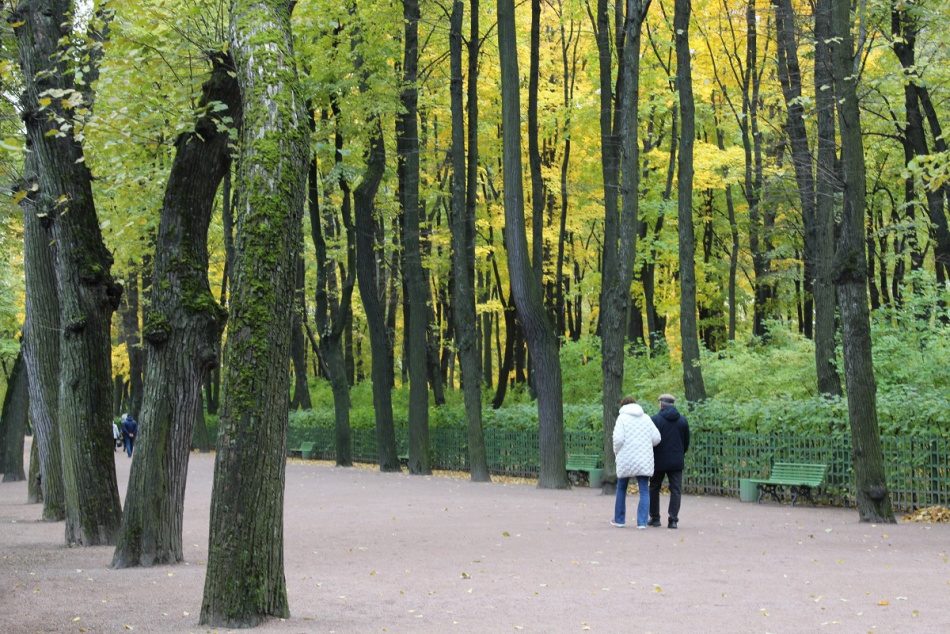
(670, 458)
(129, 430)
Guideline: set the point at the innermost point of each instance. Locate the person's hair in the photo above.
(667, 398)
(626, 400)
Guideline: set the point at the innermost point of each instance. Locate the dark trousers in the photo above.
(676, 481)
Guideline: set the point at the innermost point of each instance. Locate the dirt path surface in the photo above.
(372, 552)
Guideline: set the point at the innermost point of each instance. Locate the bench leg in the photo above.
(802, 491)
(768, 489)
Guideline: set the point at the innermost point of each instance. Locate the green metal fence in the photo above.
(918, 468)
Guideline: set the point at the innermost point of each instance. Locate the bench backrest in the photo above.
(306, 446)
(582, 461)
(812, 474)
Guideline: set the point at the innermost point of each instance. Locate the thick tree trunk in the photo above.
(182, 336)
(463, 268)
(245, 582)
(407, 144)
(539, 333)
(13, 418)
(40, 346)
(87, 294)
(872, 497)
(692, 372)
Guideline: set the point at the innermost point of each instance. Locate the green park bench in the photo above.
(305, 449)
(800, 478)
(584, 466)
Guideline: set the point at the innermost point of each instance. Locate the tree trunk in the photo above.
(333, 314)
(34, 486)
(815, 224)
(13, 419)
(40, 346)
(298, 344)
(182, 336)
(872, 497)
(692, 372)
(367, 278)
(539, 333)
(829, 382)
(620, 235)
(245, 582)
(407, 144)
(129, 320)
(463, 268)
(87, 293)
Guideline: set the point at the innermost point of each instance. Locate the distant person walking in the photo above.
(670, 459)
(116, 437)
(129, 430)
(635, 435)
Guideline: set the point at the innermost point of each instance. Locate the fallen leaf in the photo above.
(884, 602)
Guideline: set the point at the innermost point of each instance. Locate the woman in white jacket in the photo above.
(635, 436)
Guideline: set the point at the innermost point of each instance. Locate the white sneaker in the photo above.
(614, 523)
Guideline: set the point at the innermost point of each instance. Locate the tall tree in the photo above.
(463, 267)
(850, 266)
(407, 143)
(40, 346)
(692, 371)
(332, 313)
(539, 332)
(245, 582)
(819, 294)
(620, 232)
(182, 334)
(87, 293)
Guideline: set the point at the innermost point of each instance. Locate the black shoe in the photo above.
(672, 524)
(654, 523)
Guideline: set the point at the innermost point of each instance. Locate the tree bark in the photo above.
(539, 333)
(245, 582)
(407, 144)
(13, 418)
(87, 293)
(333, 314)
(40, 346)
(872, 497)
(692, 371)
(367, 278)
(826, 328)
(182, 336)
(129, 320)
(818, 297)
(463, 267)
(620, 235)
(298, 343)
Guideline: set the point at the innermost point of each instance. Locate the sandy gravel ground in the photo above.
(372, 552)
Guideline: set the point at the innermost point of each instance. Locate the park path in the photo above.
(372, 552)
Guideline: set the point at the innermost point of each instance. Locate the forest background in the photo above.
(756, 343)
(741, 203)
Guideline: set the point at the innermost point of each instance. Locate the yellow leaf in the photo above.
(17, 197)
(884, 602)
(45, 101)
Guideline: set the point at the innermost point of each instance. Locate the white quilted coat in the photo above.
(635, 436)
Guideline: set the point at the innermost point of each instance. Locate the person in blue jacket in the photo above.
(129, 430)
(669, 459)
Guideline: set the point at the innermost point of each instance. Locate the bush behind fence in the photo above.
(917, 466)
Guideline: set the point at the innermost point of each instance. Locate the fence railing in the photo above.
(918, 468)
